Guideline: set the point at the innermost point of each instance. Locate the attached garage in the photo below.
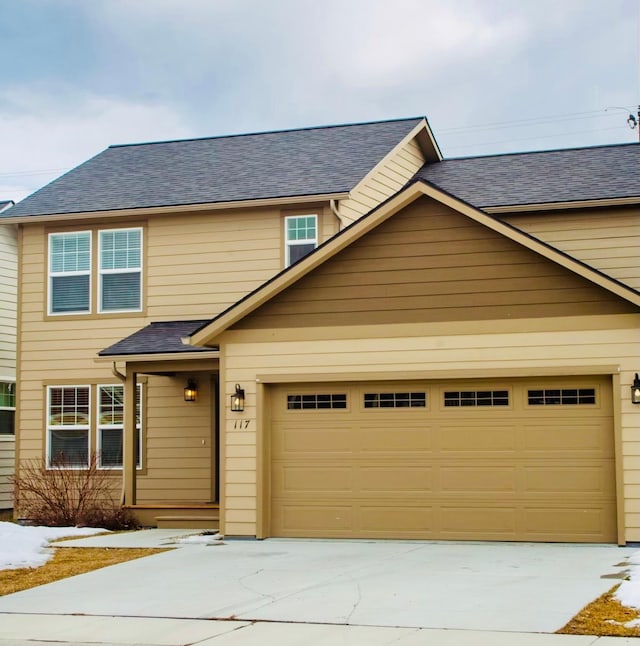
(521, 459)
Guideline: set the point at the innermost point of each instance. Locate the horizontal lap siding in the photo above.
(8, 300)
(394, 274)
(607, 239)
(402, 351)
(385, 180)
(7, 460)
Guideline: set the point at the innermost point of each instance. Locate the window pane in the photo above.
(8, 395)
(120, 249)
(299, 251)
(69, 406)
(70, 293)
(69, 448)
(70, 252)
(120, 292)
(7, 422)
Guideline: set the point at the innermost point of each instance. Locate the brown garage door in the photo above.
(526, 459)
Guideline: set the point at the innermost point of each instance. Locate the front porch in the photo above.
(171, 445)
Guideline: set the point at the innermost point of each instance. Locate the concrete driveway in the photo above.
(476, 586)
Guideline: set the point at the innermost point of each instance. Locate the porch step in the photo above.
(187, 522)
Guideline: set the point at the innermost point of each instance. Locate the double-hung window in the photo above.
(118, 283)
(111, 426)
(70, 273)
(301, 236)
(68, 426)
(120, 270)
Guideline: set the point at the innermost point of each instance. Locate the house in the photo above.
(8, 296)
(334, 332)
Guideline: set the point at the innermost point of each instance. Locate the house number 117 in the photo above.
(241, 424)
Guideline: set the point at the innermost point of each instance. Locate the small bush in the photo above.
(63, 495)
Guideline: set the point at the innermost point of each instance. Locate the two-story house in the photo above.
(333, 332)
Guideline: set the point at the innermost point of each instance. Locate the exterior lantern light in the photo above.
(237, 400)
(635, 390)
(191, 391)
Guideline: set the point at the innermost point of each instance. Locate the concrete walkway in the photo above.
(319, 593)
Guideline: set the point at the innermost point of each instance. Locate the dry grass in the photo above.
(68, 561)
(603, 617)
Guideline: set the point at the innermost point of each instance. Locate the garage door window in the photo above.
(317, 401)
(562, 396)
(463, 398)
(395, 400)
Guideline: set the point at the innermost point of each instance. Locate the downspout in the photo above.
(334, 209)
(122, 378)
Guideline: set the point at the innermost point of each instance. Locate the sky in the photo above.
(491, 76)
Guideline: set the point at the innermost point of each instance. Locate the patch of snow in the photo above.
(24, 546)
(200, 539)
(628, 594)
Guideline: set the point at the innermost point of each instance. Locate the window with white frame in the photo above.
(70, 273)
(301, 236)
(68, 426)
(119, 267)
(120, 284)
(111, 426)
(7, 408)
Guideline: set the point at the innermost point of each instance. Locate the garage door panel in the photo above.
(596, 479)
(472, 479)
(505, 472)
(454, 437)
(584, 438)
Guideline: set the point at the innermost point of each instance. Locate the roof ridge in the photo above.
(268, 132)
(544, 151)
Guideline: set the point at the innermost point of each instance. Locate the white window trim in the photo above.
(100, 427)
(51, 274)
(297, 243)
(67, 427)
(102, 272)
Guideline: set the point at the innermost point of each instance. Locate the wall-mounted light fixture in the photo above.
(635, 390)
(191, 391)
(237, 400)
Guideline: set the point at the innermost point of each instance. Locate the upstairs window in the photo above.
(70, 273)
(301, 236)
(72, 282)
(120, 270)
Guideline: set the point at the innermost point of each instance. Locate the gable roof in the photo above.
(547, 177)
(413, 191)
(5, 204)
(319, 161)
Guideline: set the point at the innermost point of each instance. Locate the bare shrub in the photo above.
(64, 495)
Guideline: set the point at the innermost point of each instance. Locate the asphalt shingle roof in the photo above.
(601, 172)
(157, 338)
(311, 161)
(5, 203)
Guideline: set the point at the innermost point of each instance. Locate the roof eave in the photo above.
(158, 356)
(571, 204)
(167, 210)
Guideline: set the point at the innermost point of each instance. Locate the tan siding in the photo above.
(404, 350)
(429, 263)
(386, 179)
(7, 460)
(607, 239)
(8, 300)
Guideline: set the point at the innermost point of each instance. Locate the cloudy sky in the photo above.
(492, 76)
